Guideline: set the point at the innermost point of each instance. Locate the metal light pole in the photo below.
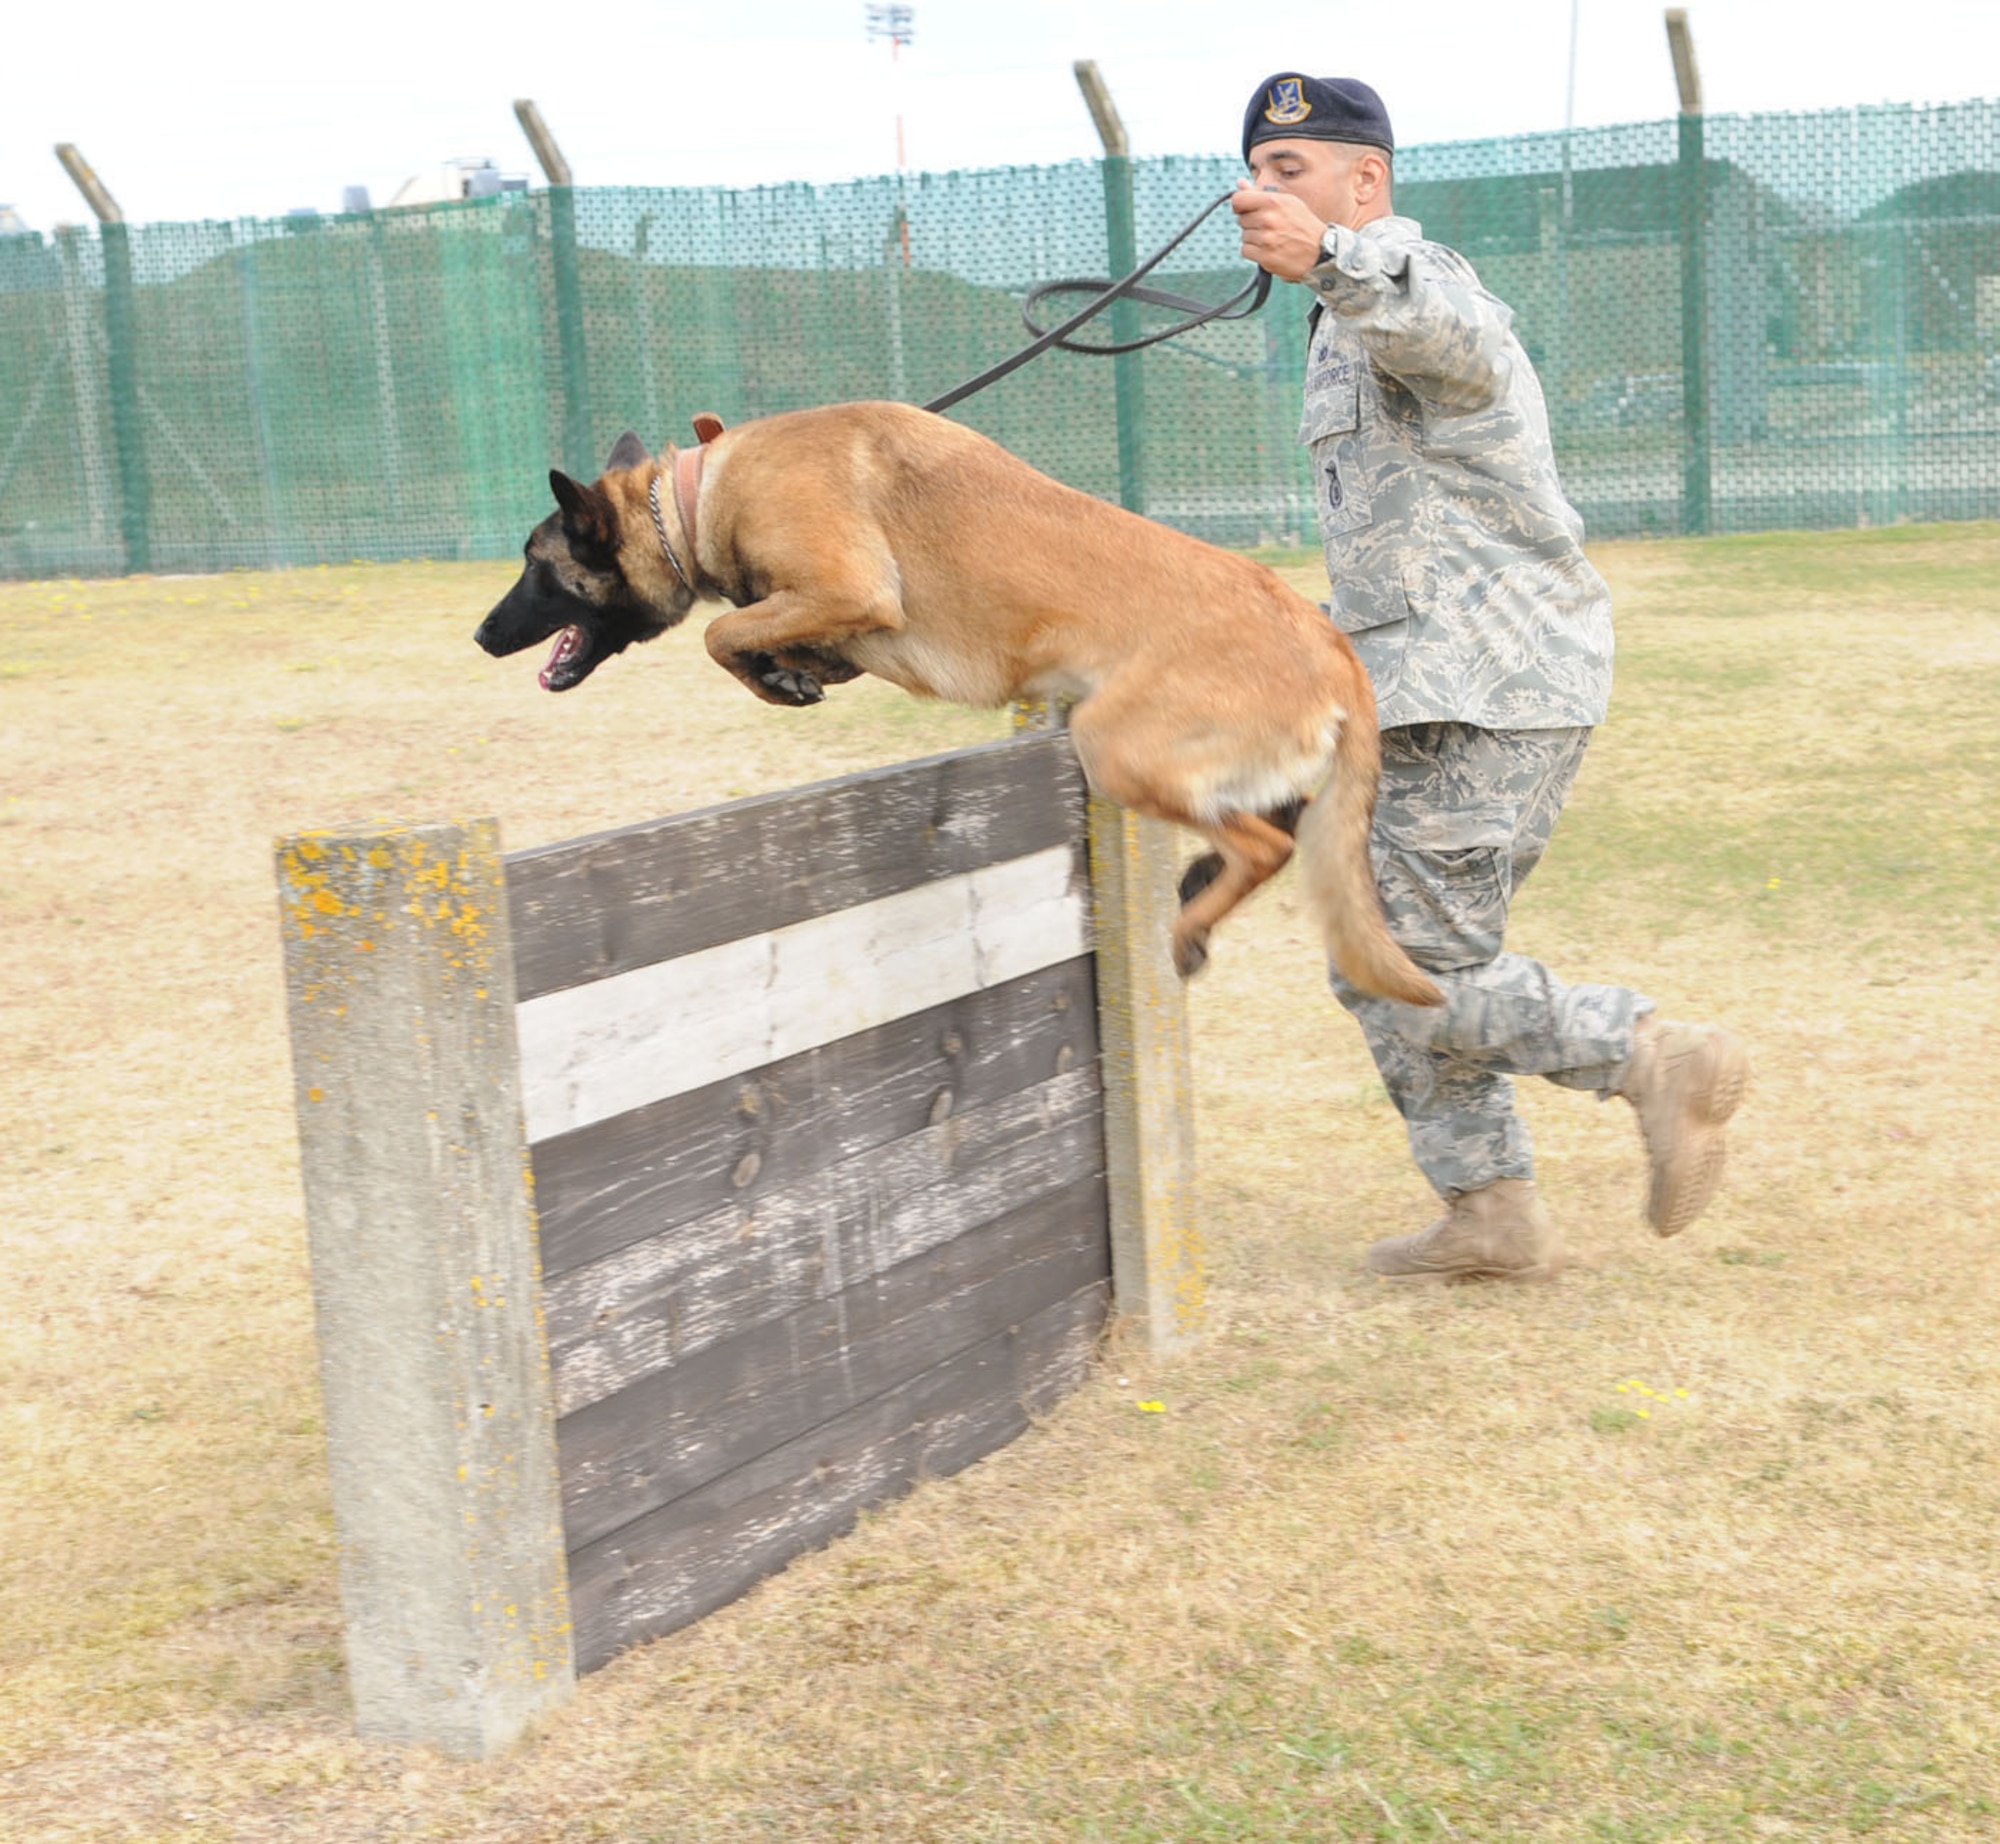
(897, 23)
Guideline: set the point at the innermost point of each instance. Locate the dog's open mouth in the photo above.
(569, 661)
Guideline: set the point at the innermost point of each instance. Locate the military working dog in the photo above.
(879, 538)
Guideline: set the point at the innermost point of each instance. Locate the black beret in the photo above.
(1316, 109)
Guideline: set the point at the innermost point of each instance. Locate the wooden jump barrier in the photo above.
(676, 1193)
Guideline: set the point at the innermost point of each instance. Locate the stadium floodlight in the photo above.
(896, 23)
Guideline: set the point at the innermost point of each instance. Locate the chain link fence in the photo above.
(1742, 323)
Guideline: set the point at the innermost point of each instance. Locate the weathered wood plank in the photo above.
(677, 1429)
(590, 908)
(590, 1053)
(619, 1181)
(659, 1301)
(703, 1550)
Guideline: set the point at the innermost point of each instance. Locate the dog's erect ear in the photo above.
(627, 451)
(588, 516)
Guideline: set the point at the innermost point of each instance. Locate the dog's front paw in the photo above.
(1190, 953)
(785, 684)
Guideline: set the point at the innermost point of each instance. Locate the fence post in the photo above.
(1696, 468)
(1695, 455)
(121, 365)
(280, 546)
(1158, 1269)
(426, 1283)
(578, 452)
(1128, 379)
(82, 352)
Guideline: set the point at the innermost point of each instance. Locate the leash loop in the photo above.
(1200, 313)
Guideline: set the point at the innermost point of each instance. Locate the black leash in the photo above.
(1199, 313)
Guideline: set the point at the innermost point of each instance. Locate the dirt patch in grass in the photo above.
(1697, 1543)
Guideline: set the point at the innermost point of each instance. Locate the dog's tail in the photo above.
(1340, 880)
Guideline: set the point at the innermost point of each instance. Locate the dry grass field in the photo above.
(1698, 1543)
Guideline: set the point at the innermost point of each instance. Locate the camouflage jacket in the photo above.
(1457, 564)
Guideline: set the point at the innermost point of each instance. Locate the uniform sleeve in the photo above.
(1422, 315)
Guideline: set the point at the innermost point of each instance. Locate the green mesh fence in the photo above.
(1742, 322)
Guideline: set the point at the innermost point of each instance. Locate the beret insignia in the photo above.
(1288, 102)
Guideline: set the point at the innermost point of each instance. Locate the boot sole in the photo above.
(1465, 1277)
(1685, 1186)
(1451, 1275)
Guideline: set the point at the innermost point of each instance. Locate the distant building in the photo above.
(12, 224)
(457, 179)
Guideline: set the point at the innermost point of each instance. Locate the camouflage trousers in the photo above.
(1464, 815)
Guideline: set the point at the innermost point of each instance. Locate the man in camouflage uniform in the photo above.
(1458, 570)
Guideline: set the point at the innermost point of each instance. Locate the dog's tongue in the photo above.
(560, 655)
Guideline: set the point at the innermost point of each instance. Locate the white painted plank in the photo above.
(592, 1052)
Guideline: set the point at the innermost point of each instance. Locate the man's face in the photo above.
(1321, 175)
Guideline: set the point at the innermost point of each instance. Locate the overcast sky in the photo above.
(222, 108)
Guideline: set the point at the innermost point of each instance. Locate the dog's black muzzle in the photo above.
(529, 614)
(586, 633)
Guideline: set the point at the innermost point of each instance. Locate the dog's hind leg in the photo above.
(1203, 871)
(1131, 761)
(1250, 850)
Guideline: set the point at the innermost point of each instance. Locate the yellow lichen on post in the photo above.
(426, 1282)
(1159, 1266)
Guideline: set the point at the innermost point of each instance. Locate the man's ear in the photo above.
(1371, 176)
(588, 516)
(627, 451)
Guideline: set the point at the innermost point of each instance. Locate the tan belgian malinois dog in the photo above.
(874, 537)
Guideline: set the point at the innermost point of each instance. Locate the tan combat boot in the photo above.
(1685, 1081)
(1500, 1232)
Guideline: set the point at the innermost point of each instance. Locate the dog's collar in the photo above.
(666, 543)
(688, 466)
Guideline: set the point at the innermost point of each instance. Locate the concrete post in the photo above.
(1159, 1271)
(426, 1283)
(1158, 1267)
